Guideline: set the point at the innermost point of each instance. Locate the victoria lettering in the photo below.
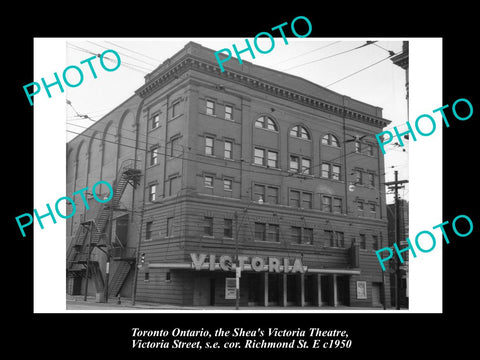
(256, 263)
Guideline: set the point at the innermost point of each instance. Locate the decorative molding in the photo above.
(190, 62)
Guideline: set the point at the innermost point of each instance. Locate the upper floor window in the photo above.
(227, 152)
(154, 156)
(176, 109)
(155, 121)
(266, 122)
(306, 164)
(175, 147)
(152, 192)
(208, 226)
(208, 145)
(210, 107)
(331, 140)
(369, 150)
(228, 112)
(300, 132)
(148, 230)
(358, 146)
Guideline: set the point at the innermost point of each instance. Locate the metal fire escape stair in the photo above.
(119, 278)
(82, 245)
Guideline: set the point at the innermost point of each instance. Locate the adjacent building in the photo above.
(212, 171)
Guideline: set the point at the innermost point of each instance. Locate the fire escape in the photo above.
(93, 234)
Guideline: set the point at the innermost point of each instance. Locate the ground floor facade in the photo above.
(176, 283)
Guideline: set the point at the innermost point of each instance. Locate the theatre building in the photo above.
(211, 171)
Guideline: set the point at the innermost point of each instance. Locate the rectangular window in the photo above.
(154, 156)
(176, 109)
(259, 156)
(227, 228)
(371, 179)
(306, 166)
(358, 177)
(175, 148)
(227, 184)
(340, 239)
(337, 205)
(335, 172)
(294, 163)
(296, 234)
(326, 170)
(210, 107)
(258, 192)
(228, 112)
(360, 205)
(273, 233)
(209, 145)
(363, 241)
(169, 230)
(260, 231)
(358, 147)
(152, 193)
(208, 181)
(373, 207)
(272, 159)
(375, 242)
(370, 150)
(295, 198)
(173, 185)
(329, 236)
(148, 230)
(307, 236)
(272, 195)
(155, 121)
(307, 200)
(227, 152)
(326, 203)
(208, 226)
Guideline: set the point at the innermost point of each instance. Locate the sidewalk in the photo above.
(78, 303)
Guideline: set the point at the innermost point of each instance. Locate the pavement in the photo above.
(78, 303)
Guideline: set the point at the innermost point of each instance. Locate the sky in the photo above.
(363, 74)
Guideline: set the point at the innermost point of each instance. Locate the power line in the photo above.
(124, 64)
(356, 72)
(108, 48)
(330, 56)
(136, 52)
(308, 52)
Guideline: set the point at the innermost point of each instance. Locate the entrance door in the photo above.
(327, 290)
(254, 289)
(274, 289)
(201, 291)
(343, 290)
(310, 289)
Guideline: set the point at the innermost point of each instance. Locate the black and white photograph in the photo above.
(217, 170)
(290, 183)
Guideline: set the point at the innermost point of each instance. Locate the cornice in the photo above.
(190, 62)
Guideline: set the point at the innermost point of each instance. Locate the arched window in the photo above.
(331, 140)
(300, 132)
(266, 122)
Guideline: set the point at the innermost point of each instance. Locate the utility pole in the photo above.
(395, 187)
(237, 280)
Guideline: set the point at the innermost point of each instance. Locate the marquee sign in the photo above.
(255, 263)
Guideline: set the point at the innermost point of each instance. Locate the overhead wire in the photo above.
(330, 56)
(306, 53)
(356, 72)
